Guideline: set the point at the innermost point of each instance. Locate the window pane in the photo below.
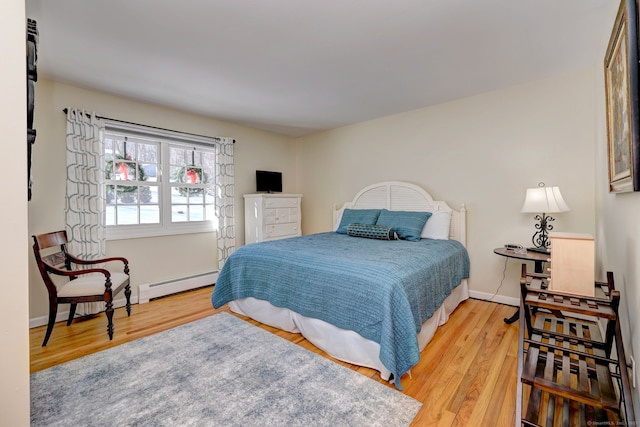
(148, 195)
(196, 196)
(127, 215)
(147, 153)
(109, 173)
(175, 173)
(127, 194)
(179, 195)
(118, 149)
(149, 214)
(196, 213)
(150, 172)
(177, 156)
(125, 171)
(179, 213)
(108, 149)
(110, 194)
(110, 215)
(192, 175)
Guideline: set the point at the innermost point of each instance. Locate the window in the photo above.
(157, 182)
(131, 174)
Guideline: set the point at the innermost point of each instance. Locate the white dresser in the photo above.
(271, 217)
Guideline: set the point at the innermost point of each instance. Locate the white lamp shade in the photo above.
(544, 200)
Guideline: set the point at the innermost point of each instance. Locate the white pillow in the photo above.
(437, 226)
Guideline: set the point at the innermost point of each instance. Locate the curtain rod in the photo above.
(66, 111)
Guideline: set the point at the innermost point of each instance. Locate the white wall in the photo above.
(151, 259)
(618, 247)
(14, 315)
(618, 237)
(482, 151)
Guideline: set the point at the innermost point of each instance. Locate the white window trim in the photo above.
(165, 228)
(122, 232)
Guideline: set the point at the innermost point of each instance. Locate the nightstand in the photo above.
(538, 258)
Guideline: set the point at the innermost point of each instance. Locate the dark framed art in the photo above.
(623, 114)
(32, 77)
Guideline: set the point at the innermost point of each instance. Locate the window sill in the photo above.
(123, 232)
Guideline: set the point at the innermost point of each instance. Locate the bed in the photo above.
(369, 302)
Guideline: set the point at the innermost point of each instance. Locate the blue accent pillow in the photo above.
(357, 216)
(370, 231)
(408, 225)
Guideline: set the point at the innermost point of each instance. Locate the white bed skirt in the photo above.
(339, 343)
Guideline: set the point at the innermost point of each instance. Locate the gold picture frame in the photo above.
(621, 84)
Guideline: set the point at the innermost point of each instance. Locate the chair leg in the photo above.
(53, 311)
(109, 313)
(127, 293)
(72, 313)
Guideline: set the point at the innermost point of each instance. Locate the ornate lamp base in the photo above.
(540, 238)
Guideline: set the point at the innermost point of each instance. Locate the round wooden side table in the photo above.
(538, 258)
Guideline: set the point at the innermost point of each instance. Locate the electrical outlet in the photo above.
(632, 365)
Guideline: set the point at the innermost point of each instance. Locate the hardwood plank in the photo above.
(484, 375)
(437, 385)
(508, 389)
(466, 375)
(442, 347)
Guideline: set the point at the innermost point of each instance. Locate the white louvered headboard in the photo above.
(402, 196)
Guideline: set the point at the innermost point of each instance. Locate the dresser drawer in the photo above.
(281, 230)
(281, 202)
(280, 215)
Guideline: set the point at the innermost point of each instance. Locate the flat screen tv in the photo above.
(269, 182)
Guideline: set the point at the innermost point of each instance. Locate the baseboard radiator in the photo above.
(149, 291)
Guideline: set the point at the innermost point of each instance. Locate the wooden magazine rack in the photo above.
(571, 363)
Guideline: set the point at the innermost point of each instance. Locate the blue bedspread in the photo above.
(383, 290)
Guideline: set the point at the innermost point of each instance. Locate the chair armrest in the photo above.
(73, 273)
(96, 261)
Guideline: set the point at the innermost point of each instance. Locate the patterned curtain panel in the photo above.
(225, 200)
(85, 198)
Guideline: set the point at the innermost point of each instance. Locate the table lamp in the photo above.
(543, 200)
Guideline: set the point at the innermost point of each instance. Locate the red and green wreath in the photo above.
(189, 175)
(127, 168)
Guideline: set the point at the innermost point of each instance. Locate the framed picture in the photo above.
(32, 77)
(621, 84)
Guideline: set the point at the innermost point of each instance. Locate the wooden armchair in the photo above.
(83, 285)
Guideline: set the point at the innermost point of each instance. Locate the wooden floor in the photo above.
(466, 375)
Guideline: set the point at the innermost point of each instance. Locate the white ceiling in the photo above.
(299, 66)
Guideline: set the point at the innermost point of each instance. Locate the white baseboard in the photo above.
(145, 293)
(63, 315)
(173, 286)
(500, 299)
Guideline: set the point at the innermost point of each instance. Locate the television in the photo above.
(269, 182)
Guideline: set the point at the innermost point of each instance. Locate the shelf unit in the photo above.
(571, 363)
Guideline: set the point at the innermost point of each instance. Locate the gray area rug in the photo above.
(218, 371)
